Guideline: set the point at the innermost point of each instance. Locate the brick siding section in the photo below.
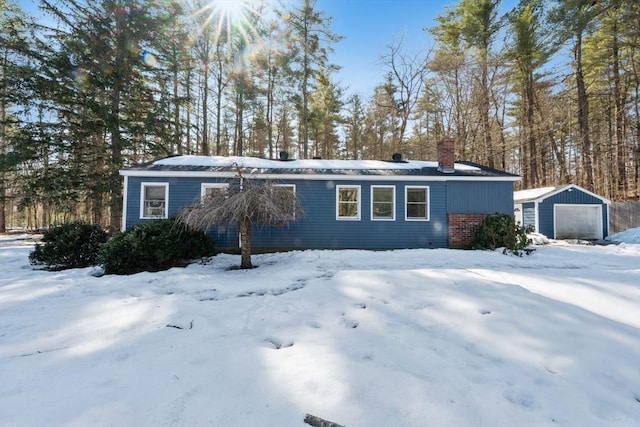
(462, 229)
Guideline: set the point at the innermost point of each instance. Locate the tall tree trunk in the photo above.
(619, 115)
(188, 110)
(484, 111)
(3, 143)
(205, 111)
(583, 116)
(269, 109)
(219, 88)
(245, 243)
(529, 131)
(177, 134)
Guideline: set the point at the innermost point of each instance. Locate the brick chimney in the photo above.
(446, 156)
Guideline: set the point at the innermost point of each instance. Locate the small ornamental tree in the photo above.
(250, 202)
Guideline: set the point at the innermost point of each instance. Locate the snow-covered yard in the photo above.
(400, 338)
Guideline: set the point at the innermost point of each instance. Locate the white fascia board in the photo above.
(357, 177)
(565, 188)
(125, 191)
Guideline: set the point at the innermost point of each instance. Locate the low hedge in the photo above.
(153, 246)
(72, 245)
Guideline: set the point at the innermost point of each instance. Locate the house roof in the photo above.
(320, 168)
(539, 194)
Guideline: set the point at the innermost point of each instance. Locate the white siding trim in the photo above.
(305, 177)
(428, 202)
(125, 193)
(598, 207)
(359, 203)
(205, 185)
(393, 202)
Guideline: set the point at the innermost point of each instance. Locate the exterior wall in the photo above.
(182, 192)
(480, 197)
(469, 202)
(573, 197)
(319, 228)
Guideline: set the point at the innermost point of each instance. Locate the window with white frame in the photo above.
(154, 200)
(417, 203)
(292, 188)
(208, 189)
(383, 201)
(348, 202)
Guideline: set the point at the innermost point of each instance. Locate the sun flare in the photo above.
(229, 17)
(233, 11)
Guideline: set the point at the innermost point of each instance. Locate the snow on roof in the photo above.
(533, 193)
(544, 192)
(254, 162)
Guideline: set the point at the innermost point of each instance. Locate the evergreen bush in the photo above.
(502, 231)
(72, 245)
(154, 246)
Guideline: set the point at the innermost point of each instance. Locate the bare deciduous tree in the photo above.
(248, 202)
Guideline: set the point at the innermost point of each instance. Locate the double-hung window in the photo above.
(292, 189)
(383, 200)
(208, 190)
(154, 200)
(348, 202)
(417, 203)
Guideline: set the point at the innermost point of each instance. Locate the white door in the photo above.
(577, 221)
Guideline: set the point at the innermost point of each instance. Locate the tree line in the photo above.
(549, 90)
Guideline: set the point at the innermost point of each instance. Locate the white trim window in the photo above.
(206, 189)
(383, 202)
(291, 187)
(416, 203)
(154, 199)
(348, 202)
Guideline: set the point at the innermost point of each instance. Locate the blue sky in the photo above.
(370, 25)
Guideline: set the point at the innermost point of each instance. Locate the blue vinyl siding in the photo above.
(575, 197)
(480, 197)
(319, 228)
(182, 192)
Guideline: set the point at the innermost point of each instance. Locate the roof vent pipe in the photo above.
(284, 156)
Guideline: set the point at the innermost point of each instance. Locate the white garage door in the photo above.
(578, 221)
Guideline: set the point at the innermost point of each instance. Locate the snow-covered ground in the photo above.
(399, 338)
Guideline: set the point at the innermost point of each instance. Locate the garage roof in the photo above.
(539, 194)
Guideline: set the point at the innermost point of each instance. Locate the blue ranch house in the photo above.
(348, 204)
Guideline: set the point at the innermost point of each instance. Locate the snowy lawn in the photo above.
(399, 338)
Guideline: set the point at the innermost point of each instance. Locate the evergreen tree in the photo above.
(310, 37)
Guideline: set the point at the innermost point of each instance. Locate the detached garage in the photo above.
(567, 212)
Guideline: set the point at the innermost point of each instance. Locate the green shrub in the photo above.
(72, 245)
(154, 246)
(502, 231)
